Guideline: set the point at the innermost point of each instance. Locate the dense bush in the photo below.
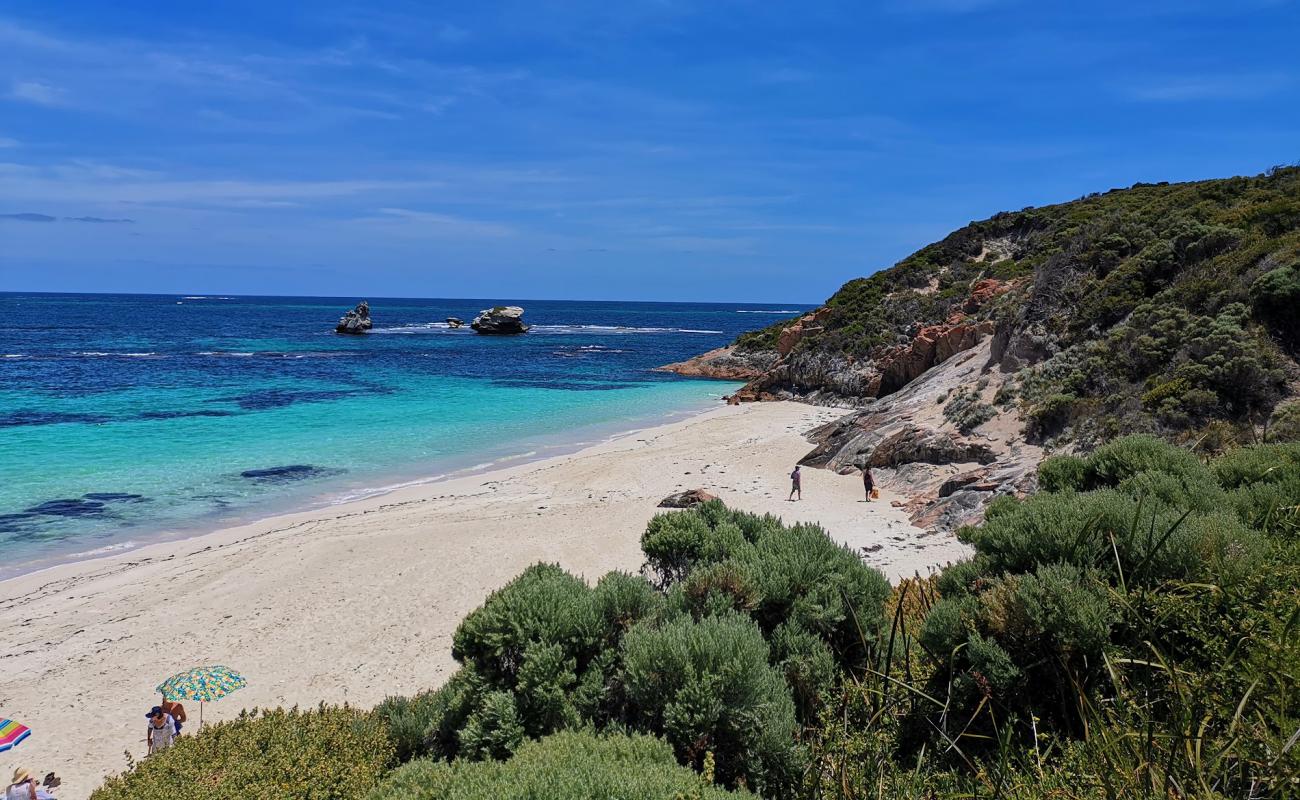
(708, 686)
(779, 575)
(565, 766)
(1141, 593)
(1276, 296)
(1284, 426)
(325, 754)
(748, 630)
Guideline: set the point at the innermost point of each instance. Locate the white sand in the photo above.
(359, 601)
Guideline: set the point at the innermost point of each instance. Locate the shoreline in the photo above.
(534, 449)
(356, 601)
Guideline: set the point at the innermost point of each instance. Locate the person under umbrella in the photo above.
(161, 731)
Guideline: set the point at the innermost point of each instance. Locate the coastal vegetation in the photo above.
(1129, 630)
(1171, 309)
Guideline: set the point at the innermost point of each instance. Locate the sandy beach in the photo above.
(359, 601)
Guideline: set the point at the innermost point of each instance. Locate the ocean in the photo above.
(125, 419)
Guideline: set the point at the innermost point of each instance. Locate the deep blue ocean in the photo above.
(129, 418)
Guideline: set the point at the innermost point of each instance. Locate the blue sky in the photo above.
(724, 150)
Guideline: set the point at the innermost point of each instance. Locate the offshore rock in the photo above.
(455, 322)
(355, 321)
(500, 320)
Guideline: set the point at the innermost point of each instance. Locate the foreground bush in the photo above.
(746, 630)
(565, 766)
(325, 754)
(708, 686)
(1144, 600)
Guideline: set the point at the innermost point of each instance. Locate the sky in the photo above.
(721, 150)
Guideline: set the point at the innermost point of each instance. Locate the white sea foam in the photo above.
(13, 355)
(112, 548)
(764, 311)
(99, 354)
(562, 329)
(420, 327)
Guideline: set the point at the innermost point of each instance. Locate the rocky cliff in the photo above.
(1171, 309)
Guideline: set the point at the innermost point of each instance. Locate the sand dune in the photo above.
(358, 601)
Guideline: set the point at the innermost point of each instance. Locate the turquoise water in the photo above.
(124, 419)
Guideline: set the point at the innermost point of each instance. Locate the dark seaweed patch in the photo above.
(32, 417)
(16, 523)
(211, 412)
(68, 508)
(111, 497)
(291, 472)
(279, 398)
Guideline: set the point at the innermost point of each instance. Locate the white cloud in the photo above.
(1209, 87)
(432, 222)
(37, 92)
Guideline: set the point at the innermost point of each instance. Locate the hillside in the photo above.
(1171, 309)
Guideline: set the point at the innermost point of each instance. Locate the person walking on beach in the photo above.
(174, 709)
(161, 731)
(868, 482)
(795, 481)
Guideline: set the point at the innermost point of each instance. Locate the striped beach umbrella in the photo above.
(203, 684)
(11, 734)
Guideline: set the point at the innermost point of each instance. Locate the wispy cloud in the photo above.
(1210, 87)
(7, 142)
(438, 224)
(42, 94)
(27, 216)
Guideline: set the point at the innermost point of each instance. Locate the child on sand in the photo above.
(868, 482)
(795, 480)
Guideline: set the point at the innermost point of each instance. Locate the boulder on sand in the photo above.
(687, 499)
(355, 321)
(500, 320)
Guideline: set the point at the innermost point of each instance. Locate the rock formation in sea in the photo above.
(455, 322)
(355, 321)
(500, 320)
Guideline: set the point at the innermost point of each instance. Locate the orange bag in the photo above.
(875, 494)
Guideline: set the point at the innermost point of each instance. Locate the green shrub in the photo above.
(1141, 539)
(967, 411)
(672, 543)
(1111, 464)
(1276, 296)
(564, 766)
(1284, 424)
(726, 560)
(708, 686)
(1061, 473)
(544, 604)
(809, 667)
(325, 754)
(494, 729)
(620, 601)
